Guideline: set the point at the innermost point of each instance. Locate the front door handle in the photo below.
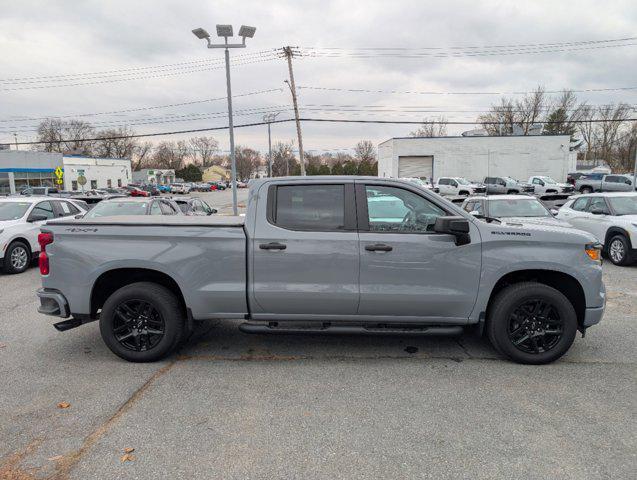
(378, 247)
(273, 246)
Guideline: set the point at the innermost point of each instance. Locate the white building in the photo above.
(157, 176)
(476, 157)
(22, 169)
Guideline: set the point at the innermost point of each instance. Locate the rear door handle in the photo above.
(273, 246)
(378, 247)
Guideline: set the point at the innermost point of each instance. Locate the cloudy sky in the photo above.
(130, 62)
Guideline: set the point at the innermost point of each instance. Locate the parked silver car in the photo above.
(599, 182)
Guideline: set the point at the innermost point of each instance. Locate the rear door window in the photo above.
(310, 207)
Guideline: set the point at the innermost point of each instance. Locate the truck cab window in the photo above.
(310, 207)
(400, 211)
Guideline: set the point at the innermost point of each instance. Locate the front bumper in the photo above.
(53, 303)
(593, 315)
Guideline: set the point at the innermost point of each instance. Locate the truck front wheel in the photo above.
(141, 322)
(531, 323)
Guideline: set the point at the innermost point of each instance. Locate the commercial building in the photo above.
(157, 176)
(22, 169)
(476, 157)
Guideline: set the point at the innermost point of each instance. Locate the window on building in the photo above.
(401, 211)
(5, 185)
(93, 184)
(119, 182)
(109, 183)
(73, 184)
(310, 207)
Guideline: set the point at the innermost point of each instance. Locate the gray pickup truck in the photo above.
(324, 254)
(598, 182)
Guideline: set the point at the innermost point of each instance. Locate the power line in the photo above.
(323, 120)
(433, 92)
(140, 109)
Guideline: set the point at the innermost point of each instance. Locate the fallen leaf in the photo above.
(129, 450)
(2, 345)
(64, 405)
(127, 458)
(56, 458)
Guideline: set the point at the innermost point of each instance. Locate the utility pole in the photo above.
(269, 119)
(289, 54)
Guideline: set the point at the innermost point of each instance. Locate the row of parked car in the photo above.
(21, 217)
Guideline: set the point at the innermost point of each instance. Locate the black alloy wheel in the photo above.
(535, 326)
(138, 325)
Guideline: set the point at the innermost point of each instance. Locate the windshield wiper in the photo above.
(488, 219)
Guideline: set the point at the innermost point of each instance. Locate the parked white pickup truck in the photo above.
(543, 185)
(458, 186)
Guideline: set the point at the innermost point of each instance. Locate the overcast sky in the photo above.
(149, 44)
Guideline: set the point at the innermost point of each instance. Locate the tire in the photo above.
(586, 190)
(463, 193)
(128, 308)
(512, 192)
(17, 258)
(618, 251)
(514, 310)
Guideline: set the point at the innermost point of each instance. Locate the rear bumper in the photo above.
(52, 303)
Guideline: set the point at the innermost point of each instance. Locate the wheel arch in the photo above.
(612, 231)
(110, 281)
(566, 284)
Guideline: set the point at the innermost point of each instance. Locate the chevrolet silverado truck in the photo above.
(324, 254)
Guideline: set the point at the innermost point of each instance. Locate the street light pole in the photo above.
(233, 159)
(225, 31)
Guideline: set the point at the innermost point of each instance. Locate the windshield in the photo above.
(112, 208)
(13, 210)
(517, 208)
(462, 181)
(624, 205)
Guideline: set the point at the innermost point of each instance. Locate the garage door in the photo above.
(421, 166)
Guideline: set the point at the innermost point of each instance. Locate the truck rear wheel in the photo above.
(141, 322)
(531, 323)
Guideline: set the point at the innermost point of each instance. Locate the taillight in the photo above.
(44, 239)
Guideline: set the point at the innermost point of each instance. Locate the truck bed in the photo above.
(203, 259)
(156, 220)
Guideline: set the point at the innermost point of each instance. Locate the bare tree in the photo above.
(500, 119)
(283, 160)
(169, 154)
(612, 118)
(564, 115)
(431, 127)
(141, 157)
(365, 151)
(66, 136)
(204, 150)
(530, 109)
(247, 161)
(115, 143)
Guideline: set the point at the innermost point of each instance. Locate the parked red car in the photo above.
(137, 192)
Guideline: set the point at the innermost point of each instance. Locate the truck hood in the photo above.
(535, 232)
(547, 221)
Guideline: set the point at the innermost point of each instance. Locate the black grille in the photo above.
(568, 189)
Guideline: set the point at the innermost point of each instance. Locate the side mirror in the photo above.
(456, 226)
(475, 213)
(37, 218)
(554, 211)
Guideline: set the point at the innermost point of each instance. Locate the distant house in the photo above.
(215, 173)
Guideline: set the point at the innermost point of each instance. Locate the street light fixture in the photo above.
(225, 31)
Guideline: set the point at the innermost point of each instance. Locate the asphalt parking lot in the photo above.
(230, 405)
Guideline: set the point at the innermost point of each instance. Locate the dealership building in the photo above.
(477, 157)
(22, 169)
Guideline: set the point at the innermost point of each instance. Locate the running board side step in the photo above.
(67, 324)
(328, 329)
